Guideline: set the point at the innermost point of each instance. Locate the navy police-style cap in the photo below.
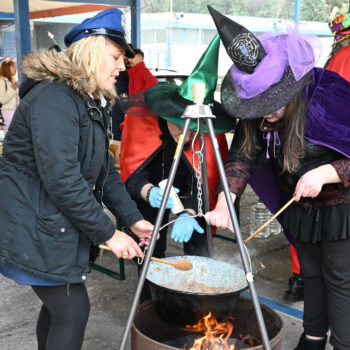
(108, 23)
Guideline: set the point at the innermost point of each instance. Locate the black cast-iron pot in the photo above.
(184, 297)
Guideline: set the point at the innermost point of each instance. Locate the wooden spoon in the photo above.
(178, 264)
(183, 265)
(271, 219)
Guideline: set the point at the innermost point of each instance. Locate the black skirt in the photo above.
(319, 223)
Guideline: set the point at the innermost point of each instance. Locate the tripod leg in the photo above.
(249, 275)
(156, 228)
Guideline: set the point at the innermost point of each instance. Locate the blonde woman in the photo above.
(56, 171)
(8, 91)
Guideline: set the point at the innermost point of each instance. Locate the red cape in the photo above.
(340, 63)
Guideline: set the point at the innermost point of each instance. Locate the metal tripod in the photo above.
(203, 114)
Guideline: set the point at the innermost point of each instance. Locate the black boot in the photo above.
(311, 344)
(295, 290)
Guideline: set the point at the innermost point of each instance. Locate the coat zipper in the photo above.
(106, 137)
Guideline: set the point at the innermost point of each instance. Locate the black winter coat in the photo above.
(55, 171)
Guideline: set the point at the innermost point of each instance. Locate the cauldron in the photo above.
(185, 297)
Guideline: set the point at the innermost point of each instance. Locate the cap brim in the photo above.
(269, 101)
(165, 102)
(123, 44)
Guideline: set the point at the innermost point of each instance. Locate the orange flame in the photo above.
(215, 334)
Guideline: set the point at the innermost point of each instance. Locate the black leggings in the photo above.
(325, 268)
(63, 316)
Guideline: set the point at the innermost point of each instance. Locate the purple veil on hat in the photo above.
(282, 50)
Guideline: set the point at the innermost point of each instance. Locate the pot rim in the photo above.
(238, 291)
(190, 257)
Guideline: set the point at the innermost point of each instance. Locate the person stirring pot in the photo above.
(293, 140)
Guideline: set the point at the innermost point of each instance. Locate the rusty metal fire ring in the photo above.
(149, 331)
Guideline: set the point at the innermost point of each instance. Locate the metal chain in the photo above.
(198, 170)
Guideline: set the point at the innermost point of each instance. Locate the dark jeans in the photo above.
(63, 316)
(326, 272)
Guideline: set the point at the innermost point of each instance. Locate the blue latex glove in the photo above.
(183, 229)
(156, 195)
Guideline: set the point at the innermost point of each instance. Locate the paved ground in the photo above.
(111, 299)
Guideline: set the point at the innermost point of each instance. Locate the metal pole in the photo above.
(249, 275)
(22, 33)
(156, 228)
(205, 186)
(136, 23)
(296, 10)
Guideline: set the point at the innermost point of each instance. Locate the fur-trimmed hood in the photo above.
(51, 65)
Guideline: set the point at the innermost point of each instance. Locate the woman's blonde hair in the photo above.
(88, 53)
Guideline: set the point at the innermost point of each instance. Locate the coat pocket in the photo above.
(57, 243)
(56, 225)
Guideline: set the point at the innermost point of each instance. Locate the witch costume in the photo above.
(268, 73)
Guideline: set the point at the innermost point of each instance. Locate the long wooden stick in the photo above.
(271, 219)
(179, 264)
(103, 246)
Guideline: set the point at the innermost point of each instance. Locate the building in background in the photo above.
(7, 39)
(176, 40)
(169, 40)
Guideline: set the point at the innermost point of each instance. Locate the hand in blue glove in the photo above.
(156, 195)
(183, 229)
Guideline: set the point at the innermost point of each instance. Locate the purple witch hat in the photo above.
(268, 71)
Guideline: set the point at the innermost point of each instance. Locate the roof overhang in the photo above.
(48, 8)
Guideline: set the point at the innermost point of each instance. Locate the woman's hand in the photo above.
(143, 229)
(156, 196)
(123, 246)
(14, 85)
(220, 216)
(310, 184)
(183, 229)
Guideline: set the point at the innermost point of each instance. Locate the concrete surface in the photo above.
(111, 298)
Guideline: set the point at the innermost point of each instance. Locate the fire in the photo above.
(215, 334)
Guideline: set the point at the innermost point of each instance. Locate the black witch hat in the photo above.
(241, 45)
